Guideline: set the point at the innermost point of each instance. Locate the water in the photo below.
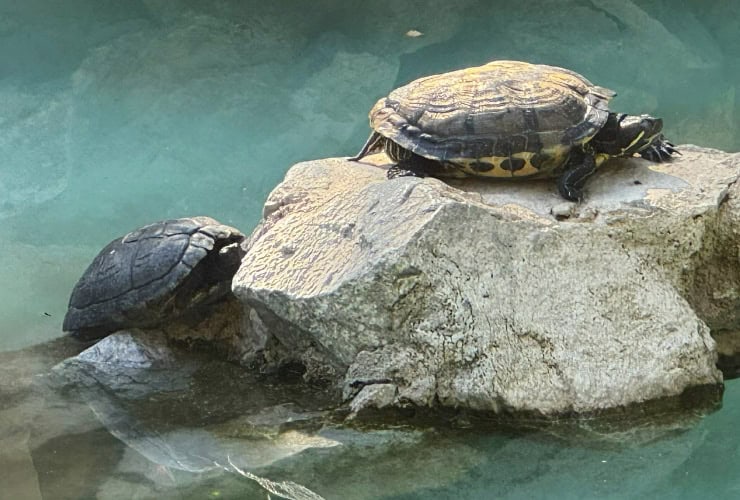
(115, 114)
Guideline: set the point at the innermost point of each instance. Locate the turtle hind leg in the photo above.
(570, 184)
(373, 144)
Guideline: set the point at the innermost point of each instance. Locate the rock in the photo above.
(374, 395)
(130, 363)
(493, 296)
(728, 351)
(221, 327)
(131, 378)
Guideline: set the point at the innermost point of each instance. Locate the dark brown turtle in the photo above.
(154, 274)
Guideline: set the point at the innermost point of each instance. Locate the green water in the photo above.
(114, 114)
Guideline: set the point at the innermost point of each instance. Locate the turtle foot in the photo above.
(570, 184)
(659, 151)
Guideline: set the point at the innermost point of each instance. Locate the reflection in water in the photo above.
(80, 432)
(120, 393)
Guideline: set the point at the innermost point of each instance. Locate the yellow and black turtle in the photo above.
(508, 119)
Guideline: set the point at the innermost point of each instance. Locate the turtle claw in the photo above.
(660, 150)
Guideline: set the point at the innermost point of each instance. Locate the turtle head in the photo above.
(638, 132)
(625, 135)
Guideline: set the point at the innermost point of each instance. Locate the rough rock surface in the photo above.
(495, 295)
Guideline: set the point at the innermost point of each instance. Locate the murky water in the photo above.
(114, 114)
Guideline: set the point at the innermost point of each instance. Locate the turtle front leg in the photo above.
(570, 184)
(659, 150)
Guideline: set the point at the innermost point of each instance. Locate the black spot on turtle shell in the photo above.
(480, 166)
(513, 164)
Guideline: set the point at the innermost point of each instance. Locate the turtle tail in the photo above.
(374, 143)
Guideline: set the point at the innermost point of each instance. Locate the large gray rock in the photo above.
(499, 296)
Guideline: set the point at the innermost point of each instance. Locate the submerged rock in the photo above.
(131, 379)
(130, 363)
(498, 296)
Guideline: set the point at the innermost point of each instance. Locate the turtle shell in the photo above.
(152, 274)
(506, 118)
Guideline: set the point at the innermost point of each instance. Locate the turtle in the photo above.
(154, 274)
(509, 119)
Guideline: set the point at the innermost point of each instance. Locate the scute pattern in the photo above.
(153, 273)
(494, 112)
